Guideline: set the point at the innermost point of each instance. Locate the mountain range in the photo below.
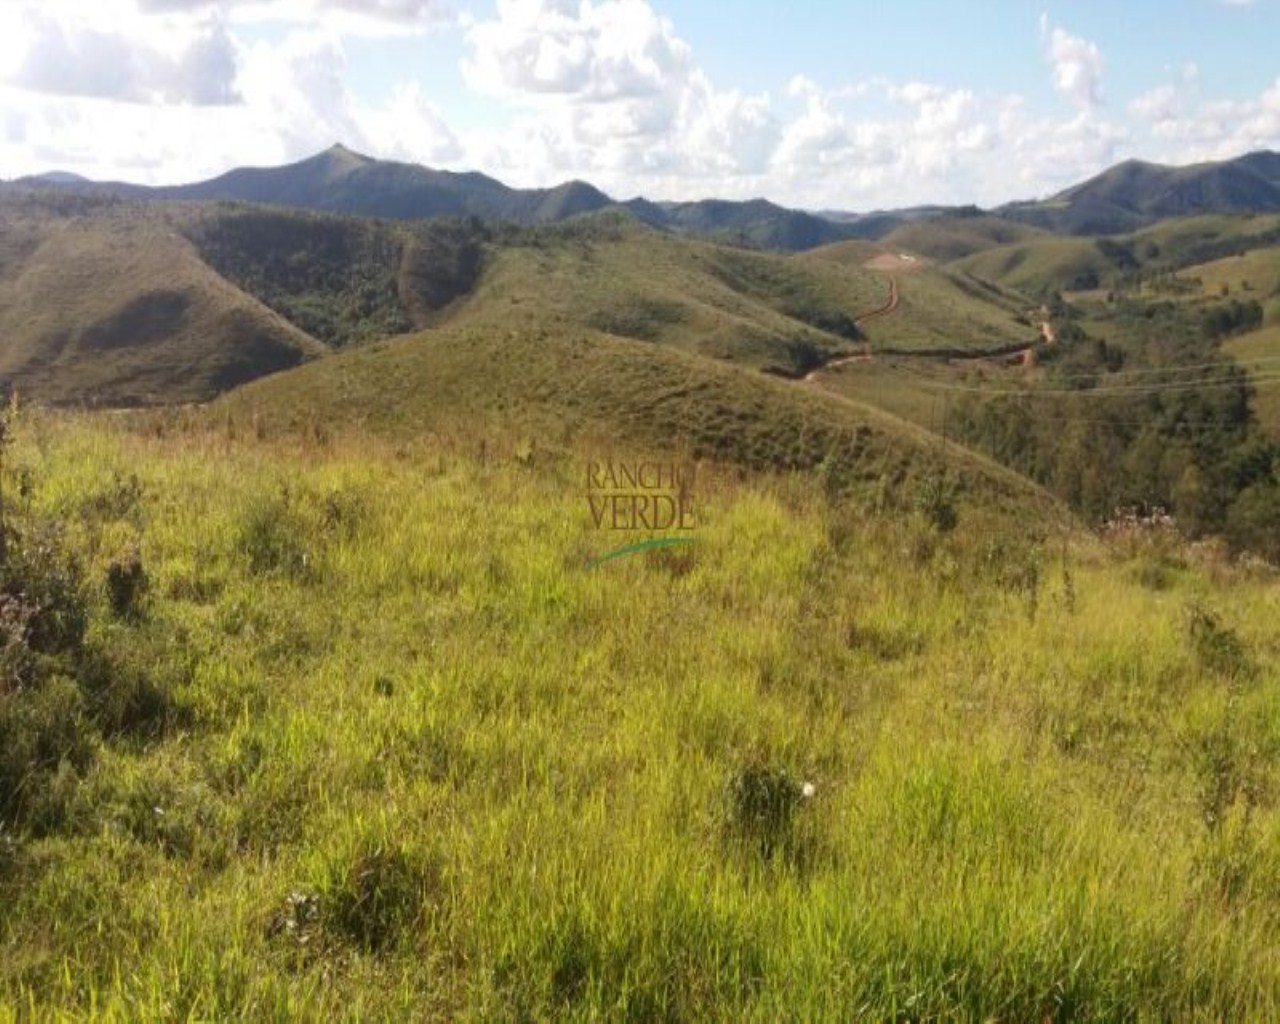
(1125, 198)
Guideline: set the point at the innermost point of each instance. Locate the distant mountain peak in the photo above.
(58, 178)
(341, 149)
(1134, 194)
(343, 156)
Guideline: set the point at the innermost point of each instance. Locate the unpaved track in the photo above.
(865, 355)
(1019, 353)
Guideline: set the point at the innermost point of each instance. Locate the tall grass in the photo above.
(417, 760)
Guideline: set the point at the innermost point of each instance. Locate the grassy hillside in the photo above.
(353, 733)
(1252, 275)
(174, 302)
(939, 309)
(555, 389)
(953, 236)
(1052, 263)
(756, 223)
(919, 390)
(115, 307)
(1044, 265)
(1134, 194)
(616, 276)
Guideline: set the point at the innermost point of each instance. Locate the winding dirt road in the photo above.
(1023, 353)
(865, 355)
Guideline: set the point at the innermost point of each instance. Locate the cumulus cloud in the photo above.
(611, 92)
(1218, 130)
(611, 51)
(1156, 105)
(354, 15)
(409, 128)
(1077, 65)
(194, 64)
(610, 89)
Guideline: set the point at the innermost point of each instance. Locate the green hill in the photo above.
(118, 309)
(1134, 194)
(103, 293)
(940, 308)
(955, 235)
(583, 387)
(1053, 263)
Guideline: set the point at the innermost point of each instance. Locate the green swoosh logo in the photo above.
(643, 545)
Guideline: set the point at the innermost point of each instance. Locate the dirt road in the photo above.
(889, 306)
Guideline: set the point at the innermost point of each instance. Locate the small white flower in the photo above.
(807, 791)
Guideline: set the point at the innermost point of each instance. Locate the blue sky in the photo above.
(819, 105)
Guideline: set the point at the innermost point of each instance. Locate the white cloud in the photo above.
(1077, 65)
(409, 128)
(609, 51)
(295, 99)
(609, 90)
(359, 17)
(186, 61)
(1222, 129)
(1156, 105)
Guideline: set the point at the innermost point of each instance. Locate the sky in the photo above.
(819, 105)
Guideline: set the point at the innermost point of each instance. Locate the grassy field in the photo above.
(366, 739)
(1251, 275)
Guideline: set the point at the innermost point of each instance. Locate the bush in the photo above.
(126, 585)
(270, 536)
(43, 727)
(1252, 521)
(44, 721)
(48, 585)
(1217, 647)
(762, 806)
(936, 501)
(378, 892)
(58, 693)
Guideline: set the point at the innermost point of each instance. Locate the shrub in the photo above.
(1217, 647)
(37, 574)
(936, 501)
(271, 536)
(58, 693)
(1252, 519)
(378, 892)
(44, 722)
(762, 805)
(126, 585)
